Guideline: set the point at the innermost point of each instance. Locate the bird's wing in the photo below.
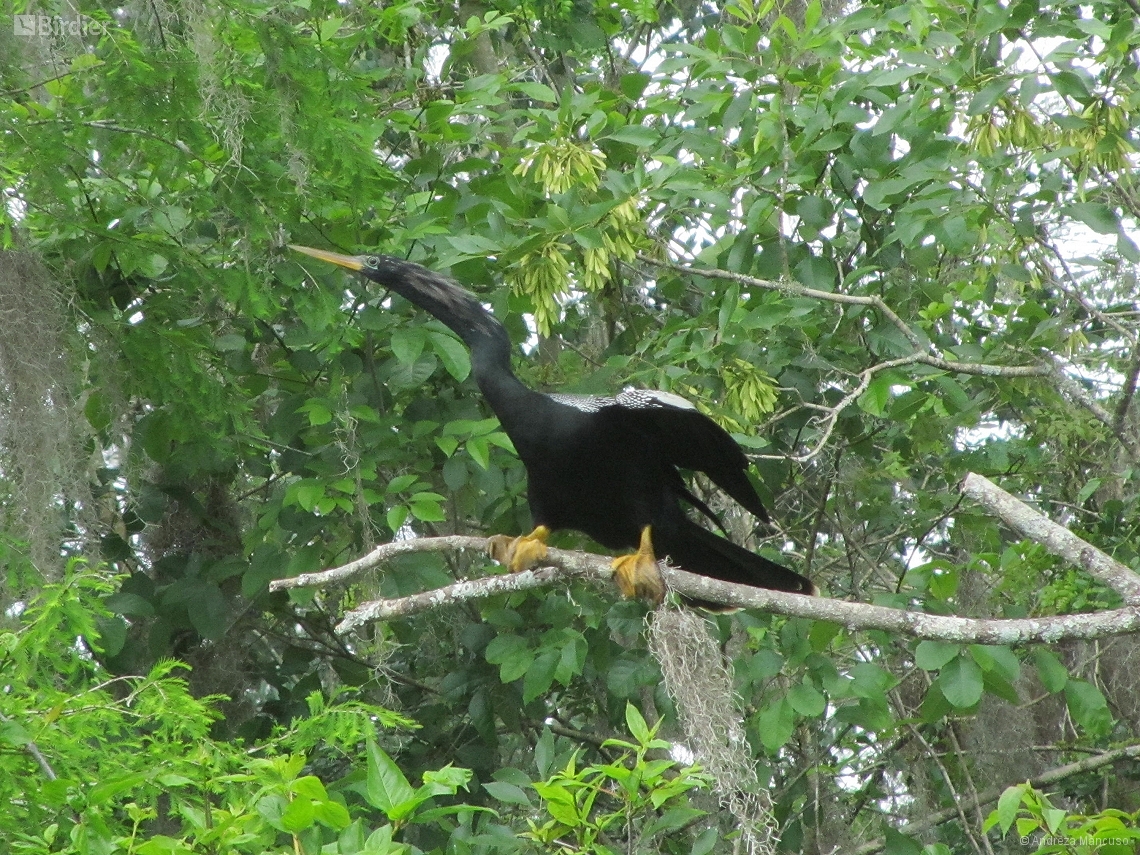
(691, 440)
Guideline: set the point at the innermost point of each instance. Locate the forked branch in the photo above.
(563, 566)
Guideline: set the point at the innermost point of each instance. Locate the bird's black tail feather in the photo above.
(700, 551)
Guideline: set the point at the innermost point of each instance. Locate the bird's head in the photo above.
(436, 294)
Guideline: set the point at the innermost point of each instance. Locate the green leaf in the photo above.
(807, 700)
(1096, 215)
(776, 723)
(511, 654)
(1088, 707)
(299, 815)
(540, 675)
(636, 724)
(171, 219)
(408, 343)
(129, 604)
(871, 681)
(996, 684)
(97, 410)
(1008, 805)
(396, 516)
(932, 655)
(818, 273)
(559, 803)
(311, 786)
(633, 84)
(446, 781)
(961, 682)
(330, 27)
(210, 613)
(103, 792)
(413, 375)
(480, 450)
(878, 393)
(706, 841)
(14, 734)
(635, 135)
(386, 785)
(333, 814)
(536, 91)
(308, 494)
(453, 354)
(319, 414)
(815, 211)
(900, 844)
(673, 819)
(507, 793)
(998, 659)
(1050, 670)
(426, 509)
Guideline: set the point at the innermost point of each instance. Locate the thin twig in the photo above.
(795, 290)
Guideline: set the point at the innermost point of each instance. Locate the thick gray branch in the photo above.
(1058, 540)
(564, 565)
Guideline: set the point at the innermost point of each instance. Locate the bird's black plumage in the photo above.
(607, 467)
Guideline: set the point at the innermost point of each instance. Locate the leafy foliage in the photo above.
(1056, 831)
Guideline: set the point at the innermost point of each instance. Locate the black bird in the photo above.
(607, 467)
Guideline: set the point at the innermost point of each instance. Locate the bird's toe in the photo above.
(519, 553)
(637, 575)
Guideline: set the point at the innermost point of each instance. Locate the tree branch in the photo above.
(1077, 393)
(1058, 540)
(1120, 417)
(564, 565)
(37, 755)
(795, 290)
(875, 302)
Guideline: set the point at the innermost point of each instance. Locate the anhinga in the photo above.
(607, 467)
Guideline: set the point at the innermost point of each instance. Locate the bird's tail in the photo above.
(699, 551)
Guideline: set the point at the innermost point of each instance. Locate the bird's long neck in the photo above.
(465, 316)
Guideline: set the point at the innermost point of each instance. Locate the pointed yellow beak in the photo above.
(352, 262)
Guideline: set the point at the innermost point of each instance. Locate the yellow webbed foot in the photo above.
(519, 553)
(637, 575)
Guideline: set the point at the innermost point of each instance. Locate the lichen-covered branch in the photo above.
(565, 565)
(1057, 539)
(381, 555)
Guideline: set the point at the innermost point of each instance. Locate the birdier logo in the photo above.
(57, 25)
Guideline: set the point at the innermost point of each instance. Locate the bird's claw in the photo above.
(638, 575)
(519, 553)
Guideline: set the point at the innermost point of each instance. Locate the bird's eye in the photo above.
(372, 261)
